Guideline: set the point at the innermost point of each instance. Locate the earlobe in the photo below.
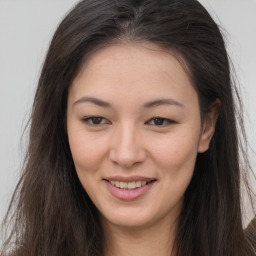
(208, 126)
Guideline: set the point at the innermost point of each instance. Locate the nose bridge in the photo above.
(126, 148)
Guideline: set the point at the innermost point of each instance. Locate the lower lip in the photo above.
(128, 194)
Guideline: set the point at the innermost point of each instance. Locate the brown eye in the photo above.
(95, 121)
(160, 121)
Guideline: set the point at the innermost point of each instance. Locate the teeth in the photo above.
(128, 185)
(123, 185)
(138, 184)
(132, 185)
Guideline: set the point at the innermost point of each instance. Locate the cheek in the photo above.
(175, 158)
(87, 151)
(177, 153)
(88, 154)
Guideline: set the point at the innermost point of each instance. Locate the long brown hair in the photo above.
(52, 213)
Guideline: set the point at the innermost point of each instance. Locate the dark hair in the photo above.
(54, 215)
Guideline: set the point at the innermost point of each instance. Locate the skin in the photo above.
(129, 141)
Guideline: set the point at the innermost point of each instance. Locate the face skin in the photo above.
(137, 83)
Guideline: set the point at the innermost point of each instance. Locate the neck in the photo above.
(131, 241)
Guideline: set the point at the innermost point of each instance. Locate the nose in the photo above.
(127, 147)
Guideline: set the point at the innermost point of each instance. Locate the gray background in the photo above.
(26, 27)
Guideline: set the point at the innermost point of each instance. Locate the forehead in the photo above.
(133, 69)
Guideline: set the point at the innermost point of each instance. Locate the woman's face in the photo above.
(134, 131)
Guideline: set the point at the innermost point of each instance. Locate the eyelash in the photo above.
(162, 122)
(89, 120)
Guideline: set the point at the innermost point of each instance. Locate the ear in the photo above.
(208, 126)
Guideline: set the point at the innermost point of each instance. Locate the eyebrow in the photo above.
(160, 102)
(93, 100)
(150, 104)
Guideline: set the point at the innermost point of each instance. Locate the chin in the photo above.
(127, 218)
(139, 218)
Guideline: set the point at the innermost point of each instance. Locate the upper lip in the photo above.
(129, 179)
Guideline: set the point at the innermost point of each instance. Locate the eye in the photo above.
(160, 121)
(95, 121)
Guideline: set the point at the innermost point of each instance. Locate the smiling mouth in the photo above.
(129, 185)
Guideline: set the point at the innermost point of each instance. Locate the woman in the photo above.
(133, 143)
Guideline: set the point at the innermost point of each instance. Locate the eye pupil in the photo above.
(96, 120)
(158, 121)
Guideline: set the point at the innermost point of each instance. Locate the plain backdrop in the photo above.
(26, 27)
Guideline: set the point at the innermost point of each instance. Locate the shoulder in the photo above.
(13, 253)
(250, 234)
(251, 228)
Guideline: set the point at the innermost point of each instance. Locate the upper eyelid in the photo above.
(166, 119)
(87, 118)
(149, 120)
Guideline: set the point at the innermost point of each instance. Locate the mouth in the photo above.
(129, 188)
(132, 185)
